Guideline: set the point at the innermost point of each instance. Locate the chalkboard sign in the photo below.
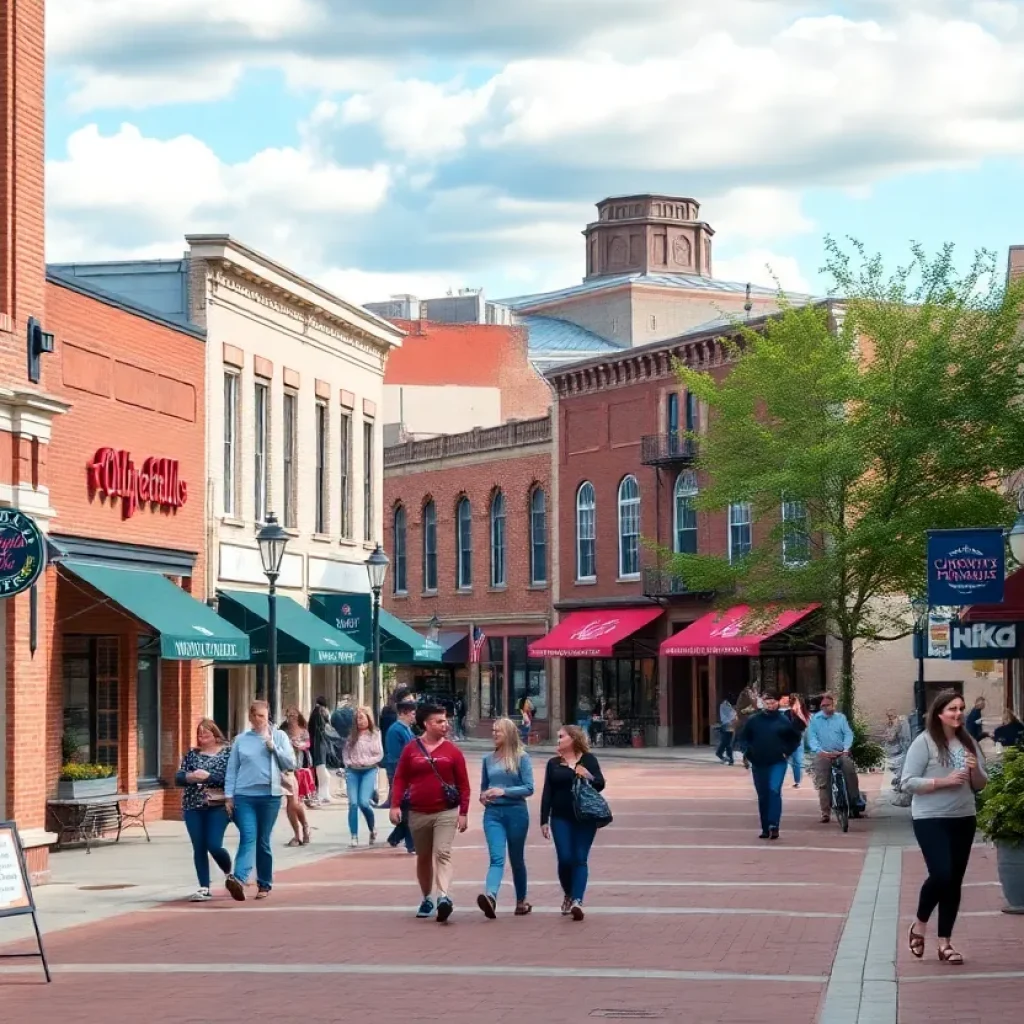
(16, 897)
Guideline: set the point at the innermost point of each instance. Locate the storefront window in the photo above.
(147, 713)
(625, 688)
(528, 675)
(91, 694)
(492, 678)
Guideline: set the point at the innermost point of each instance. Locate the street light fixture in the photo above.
(433, 628)
(272, 540)
(919, 605)
(376, 569)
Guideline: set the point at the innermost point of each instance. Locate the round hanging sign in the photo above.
(22, 552)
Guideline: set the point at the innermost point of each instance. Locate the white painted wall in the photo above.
(441, 409)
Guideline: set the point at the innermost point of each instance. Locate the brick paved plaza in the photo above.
(690, 918)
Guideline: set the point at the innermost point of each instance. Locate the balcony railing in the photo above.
(514, 433)
(662, 583)
(665, 449)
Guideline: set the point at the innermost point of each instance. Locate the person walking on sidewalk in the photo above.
(202, 774)
(573, 838)
(943, 770)
(253, 787)
(362, 754)
(797, 711)
(399, 736)
(830, 738)
(727, 727)
(506, 783)
(432, 770)
(294, 727)
(322, 739)
(746, 706)
(771, 738)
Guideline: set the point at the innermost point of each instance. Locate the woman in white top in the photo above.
(363, 752)
(942, 770)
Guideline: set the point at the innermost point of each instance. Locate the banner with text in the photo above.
(966, 566)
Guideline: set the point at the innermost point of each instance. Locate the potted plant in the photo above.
(867, 755)
(1001, 821)
(77, 781)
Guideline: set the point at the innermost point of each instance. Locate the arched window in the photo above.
(629, 527)
(586, 567)
(399, 579)
(464, 545)
(538, 537)
(740, 535)
(685, 532)
(430, 546)
(498, 540)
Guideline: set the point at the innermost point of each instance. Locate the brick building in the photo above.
(468, 531)
(630, 637)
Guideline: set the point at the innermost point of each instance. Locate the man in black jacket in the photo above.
(771, 736)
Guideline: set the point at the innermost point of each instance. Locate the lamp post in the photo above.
(1016, 535)
(920, 608)
(433, 628)
(376, 569)
(272, 540)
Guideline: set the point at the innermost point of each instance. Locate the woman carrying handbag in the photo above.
(571, 812)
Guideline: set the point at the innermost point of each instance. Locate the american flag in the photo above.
(477, 645)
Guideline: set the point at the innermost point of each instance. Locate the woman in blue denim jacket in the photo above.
(505, 785)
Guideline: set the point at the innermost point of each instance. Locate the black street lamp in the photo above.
(920, 609)
(272, 540)
(376, 568)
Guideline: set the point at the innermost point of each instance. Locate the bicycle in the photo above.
(840, 795)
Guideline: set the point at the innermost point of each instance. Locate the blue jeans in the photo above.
(254, 818)
(768, 779)
(359, 784)
(573, 840)
(797, 761)
(724, 751)
(507, 825)
(206, 827)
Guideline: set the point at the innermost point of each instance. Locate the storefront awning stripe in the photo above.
(307, 638)
(729, 633)
(592, 634)
(189, 630)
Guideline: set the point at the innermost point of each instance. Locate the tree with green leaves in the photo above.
(891, 409)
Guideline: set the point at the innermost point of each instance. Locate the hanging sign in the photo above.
(982, 640)
(966, 566)
(16, 897)
(113, 474)
(22, 552)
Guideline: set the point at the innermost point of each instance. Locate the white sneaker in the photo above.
(200, 896)
(355, 842)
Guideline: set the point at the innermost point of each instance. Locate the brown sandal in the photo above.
(949, 955)
(522, 909)
(915, 941)
(294, 842)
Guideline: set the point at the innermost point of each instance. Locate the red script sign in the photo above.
(112, 473)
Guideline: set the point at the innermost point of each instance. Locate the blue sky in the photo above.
(381, 149)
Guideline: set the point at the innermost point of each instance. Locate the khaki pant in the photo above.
(432, 835)
(823, 780)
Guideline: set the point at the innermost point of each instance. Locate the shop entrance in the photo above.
(91, 692)
(690, 701)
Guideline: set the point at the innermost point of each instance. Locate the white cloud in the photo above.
(763, 267)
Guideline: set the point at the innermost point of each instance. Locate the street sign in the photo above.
(966, 566)
(22, 552)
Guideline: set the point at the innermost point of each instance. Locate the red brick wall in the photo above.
(516, 477)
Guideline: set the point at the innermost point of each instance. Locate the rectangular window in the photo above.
(368, 510)
(538, 538)
(230, 485)
(290, 412)
(796, 540)
(321, 468)
(692, 411)
(430, 546)
(740, 537)
(345, 447)
(147, 715)
(527, 675)
(91, 692)
(261, 448)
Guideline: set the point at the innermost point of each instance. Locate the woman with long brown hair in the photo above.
(506, 782)
(573, 838)
(943, 770)
(294, 727)
(362, 754)
(202, 775)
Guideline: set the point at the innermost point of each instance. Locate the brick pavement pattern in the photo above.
(690, 919)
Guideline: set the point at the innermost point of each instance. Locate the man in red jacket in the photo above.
(432, 772)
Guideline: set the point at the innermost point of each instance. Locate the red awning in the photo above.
(592, 634)
(722, 633)
(1010, 610)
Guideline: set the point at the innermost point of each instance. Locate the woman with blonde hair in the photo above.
(506, 783)
(573, 838)
(362, 754)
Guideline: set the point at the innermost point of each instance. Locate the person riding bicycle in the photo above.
(830, 738)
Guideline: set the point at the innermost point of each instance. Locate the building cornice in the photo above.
(519, 435)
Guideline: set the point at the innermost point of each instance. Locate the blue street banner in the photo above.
(983, 640)
(966, 566)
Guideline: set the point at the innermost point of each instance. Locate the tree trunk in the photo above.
(846, 677)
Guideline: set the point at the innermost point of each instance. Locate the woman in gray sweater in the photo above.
(942, 770)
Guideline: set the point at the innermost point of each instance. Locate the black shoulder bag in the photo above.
(451, 794)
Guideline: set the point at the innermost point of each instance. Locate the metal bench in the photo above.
(89, 818)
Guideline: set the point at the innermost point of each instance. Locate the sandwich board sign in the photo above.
(16, 897)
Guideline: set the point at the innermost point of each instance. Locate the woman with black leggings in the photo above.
(943, 769)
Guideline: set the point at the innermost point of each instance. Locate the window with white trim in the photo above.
(430, 546)
(538, 537)
(629, 527)
(586, 513)
(230, 484)
(498, 540)
(684, 534)
(261, 448)
(740, 530)
(796, 538)
(399, 580)
(464, 544)
(289, 431)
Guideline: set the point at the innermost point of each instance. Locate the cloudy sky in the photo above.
(385, 146)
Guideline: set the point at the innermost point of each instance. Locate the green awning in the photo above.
(188, 629)
(302, 637)
(352, 614)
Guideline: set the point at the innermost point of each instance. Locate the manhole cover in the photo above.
(626, 1014)
(106, 888)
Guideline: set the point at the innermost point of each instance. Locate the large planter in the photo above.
(78, 789)
(1010, 859)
